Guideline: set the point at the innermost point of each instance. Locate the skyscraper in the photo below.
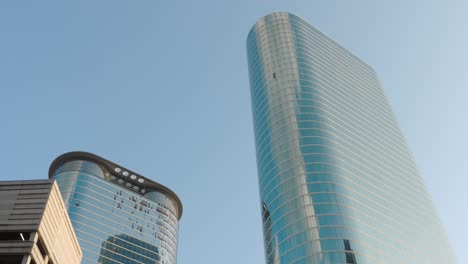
(337, 181)
(118, 215)
(34, 225)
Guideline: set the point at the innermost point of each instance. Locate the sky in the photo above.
(161, 87)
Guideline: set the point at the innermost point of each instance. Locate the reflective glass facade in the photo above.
(118, 215)
(337, 181)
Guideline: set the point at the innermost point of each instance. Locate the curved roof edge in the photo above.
(265, 17)
(286, 13)
(149, 184)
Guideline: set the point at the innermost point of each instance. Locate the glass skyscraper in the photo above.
(337, 181)
(118, 215)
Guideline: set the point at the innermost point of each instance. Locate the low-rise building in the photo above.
(34, 225)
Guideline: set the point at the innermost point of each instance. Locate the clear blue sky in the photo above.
(162, 88)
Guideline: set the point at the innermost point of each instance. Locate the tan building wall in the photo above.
(34, 225)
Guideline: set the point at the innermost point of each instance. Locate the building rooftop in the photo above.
(139, 183)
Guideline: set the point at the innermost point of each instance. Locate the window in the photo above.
(14, 236)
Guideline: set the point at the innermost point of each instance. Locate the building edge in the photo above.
(109, 166)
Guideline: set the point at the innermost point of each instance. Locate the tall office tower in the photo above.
(34, 225)
(337, 181)
(118, 215)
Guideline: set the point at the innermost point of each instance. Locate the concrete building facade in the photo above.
(34, 225)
